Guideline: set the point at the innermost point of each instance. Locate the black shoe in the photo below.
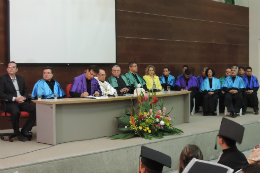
(205, 114)
(26, 133)
(256, 112)
(21, 138)
(243, 113)
(213, 113)
(234, 115)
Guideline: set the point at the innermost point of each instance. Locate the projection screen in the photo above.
(62, 31)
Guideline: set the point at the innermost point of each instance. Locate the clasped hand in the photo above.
(233, 91)
(249, 91)
(124, 90)
(20, 99)
(85, 94)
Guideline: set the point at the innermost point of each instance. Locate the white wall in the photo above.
(242, 3)
(254, 37)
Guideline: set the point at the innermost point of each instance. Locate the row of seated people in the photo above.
(14, 95)
(230, 160)
(233, 92)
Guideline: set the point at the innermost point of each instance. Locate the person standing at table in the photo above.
(14, 95)
(152, 80)
(119, 82)
(47, 86)
(199, 95)
(233, 87)
(210, 88)
(105, 87)
(250, 95)
(85, 84)
(183, 71)
(188, 83)
(167, 79)
(133, 78)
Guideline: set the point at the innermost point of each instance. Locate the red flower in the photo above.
(157, 116)
(132, 119)
(140, 100)
(141, 117)
(155, 100)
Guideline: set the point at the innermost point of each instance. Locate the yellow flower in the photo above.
(149, 131)
(167, 124)
(146, 120)
(145, 130)
(145, 113)
(140, 127)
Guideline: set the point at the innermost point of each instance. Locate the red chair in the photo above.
(68, 90)
(12, 135)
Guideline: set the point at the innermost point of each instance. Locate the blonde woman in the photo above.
(152, 81)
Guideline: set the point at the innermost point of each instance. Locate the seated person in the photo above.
(241, 71)
(119, 82)
(252, 168)
(233, 86)
(210, 88)
(167, 79)
(222, 93)
(231, 132)
(254, 157)
(183, 70)
(188, 153)
(105, 87)
(152, 161)
(187, 83)
(199, 95)
(250, 94)
(14, 95)
(152, 81)
(47, 86)
(133, 78)
(85, 84)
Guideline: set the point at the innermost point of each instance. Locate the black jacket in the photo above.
(233, 158)
(7, 90)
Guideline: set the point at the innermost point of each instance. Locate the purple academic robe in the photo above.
(181, 82)
(80, 85)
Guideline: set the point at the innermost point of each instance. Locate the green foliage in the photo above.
(142, 123)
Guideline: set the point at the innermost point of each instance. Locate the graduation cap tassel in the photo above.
(216, 143)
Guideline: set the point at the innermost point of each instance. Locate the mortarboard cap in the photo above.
(231, 130)
(154, 160)
(201, 166)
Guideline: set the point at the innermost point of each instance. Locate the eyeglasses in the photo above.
(11, 66)
(116, 70)
(47, 73)
(102, 75)
(133, 66)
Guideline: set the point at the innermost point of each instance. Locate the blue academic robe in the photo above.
(205, 86)
(171, 80)
(42, 88)
(238, 83)
(253, 82)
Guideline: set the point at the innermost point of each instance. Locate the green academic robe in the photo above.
(113, 82)
(132, 81)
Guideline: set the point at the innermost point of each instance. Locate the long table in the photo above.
(72, 119)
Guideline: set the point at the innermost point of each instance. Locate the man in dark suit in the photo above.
(14, 95)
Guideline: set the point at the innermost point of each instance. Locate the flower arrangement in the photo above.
(146, 121)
